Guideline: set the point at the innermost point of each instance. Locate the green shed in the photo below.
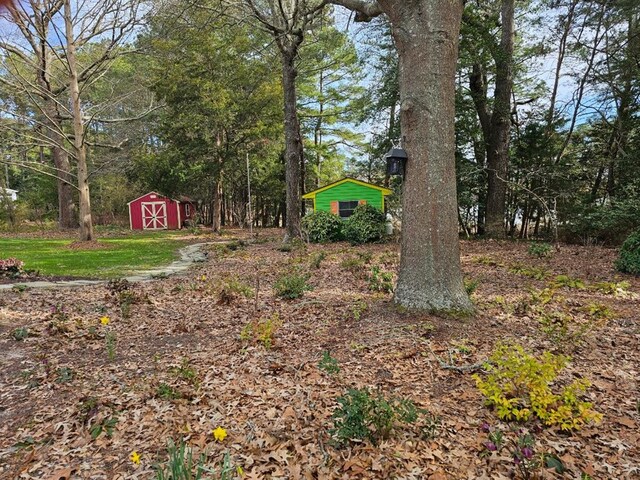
(343, 196)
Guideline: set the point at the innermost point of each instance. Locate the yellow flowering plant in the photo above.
(518, 385)
(135, 457)
(219, 434)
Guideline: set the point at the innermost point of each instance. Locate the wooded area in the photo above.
(174, 97)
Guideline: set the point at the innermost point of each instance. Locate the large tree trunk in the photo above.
(53, 131)
(498, 141)
(216, 219)
(66, 205)
(293, 146)
(86, 222)
(426, 35)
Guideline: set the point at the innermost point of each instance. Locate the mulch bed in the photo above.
(59, 383)
(92, 245)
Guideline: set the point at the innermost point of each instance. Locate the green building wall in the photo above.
(349, 192)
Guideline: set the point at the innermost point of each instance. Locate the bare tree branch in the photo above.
(365, 9)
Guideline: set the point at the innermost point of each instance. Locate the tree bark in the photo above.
(66, 204)
(53, 128)
(293, 145)
(426, 36)
(79, 147)
(216, 217)
(499, 135)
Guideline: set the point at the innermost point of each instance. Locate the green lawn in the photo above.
(121, 257)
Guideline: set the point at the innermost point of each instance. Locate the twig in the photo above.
(462, 369)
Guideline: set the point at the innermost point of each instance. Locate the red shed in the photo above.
(156, 212)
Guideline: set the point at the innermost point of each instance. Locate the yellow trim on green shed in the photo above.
(385, 191)
(376, 199)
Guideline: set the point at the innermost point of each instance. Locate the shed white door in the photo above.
(154, 215)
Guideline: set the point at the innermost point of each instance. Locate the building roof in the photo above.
(152, 193)
(385, 191)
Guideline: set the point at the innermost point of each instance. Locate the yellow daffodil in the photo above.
(203, 278)
(104, 320)
(219, 434)
(135, 457)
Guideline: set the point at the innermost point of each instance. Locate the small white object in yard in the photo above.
(389, 224)
(9, 193)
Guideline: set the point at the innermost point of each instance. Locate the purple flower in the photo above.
(527, 452)
(491, 446)
(485, 427)
(516, 459)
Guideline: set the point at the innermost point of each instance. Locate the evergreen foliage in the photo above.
(365, 225)
(629, 259)
(322, 227)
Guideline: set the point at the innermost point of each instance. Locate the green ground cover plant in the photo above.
(363, 415)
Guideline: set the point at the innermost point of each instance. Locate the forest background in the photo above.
(174, 97)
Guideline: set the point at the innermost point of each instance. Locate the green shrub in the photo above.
(629, 259)
(322, 227)
(292, 286)
(365, 225)
(518, 385)
(610, 223)
(328, 363)
(262, 330)
(316, 259)
(230, 289)
(539, 249)
(363, 416)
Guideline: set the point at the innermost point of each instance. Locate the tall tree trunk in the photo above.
(317, 132)
(79, 147)
(498, 141)
(53, 129)
(66, 204)
(567, 25)
(293, 145)
(426, 35)
(216, 217)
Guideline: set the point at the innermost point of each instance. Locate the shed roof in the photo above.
(151, 193)
(385, 191)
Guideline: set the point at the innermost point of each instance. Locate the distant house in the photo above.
(343, 196)
(8, 192)
(157, 212)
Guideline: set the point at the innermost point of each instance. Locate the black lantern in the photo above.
(396, 161)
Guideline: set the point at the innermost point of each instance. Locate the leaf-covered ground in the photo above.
(179, 367)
